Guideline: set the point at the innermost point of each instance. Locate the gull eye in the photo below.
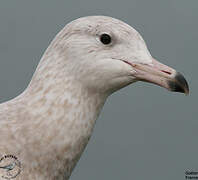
(105, 39)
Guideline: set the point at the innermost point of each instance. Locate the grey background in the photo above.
(144, 132)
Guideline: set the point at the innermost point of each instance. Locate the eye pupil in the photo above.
(105, 39)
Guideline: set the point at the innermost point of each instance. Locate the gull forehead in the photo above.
(94, 24)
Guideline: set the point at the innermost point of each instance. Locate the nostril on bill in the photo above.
(167, 72)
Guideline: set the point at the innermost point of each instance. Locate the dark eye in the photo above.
(105, 39)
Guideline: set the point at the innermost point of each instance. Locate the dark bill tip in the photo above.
(179, 84)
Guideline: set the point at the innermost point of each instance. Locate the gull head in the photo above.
(104, 54)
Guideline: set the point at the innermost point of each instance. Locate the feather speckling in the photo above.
(48, 126)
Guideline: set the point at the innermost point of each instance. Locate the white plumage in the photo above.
(48, 126)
